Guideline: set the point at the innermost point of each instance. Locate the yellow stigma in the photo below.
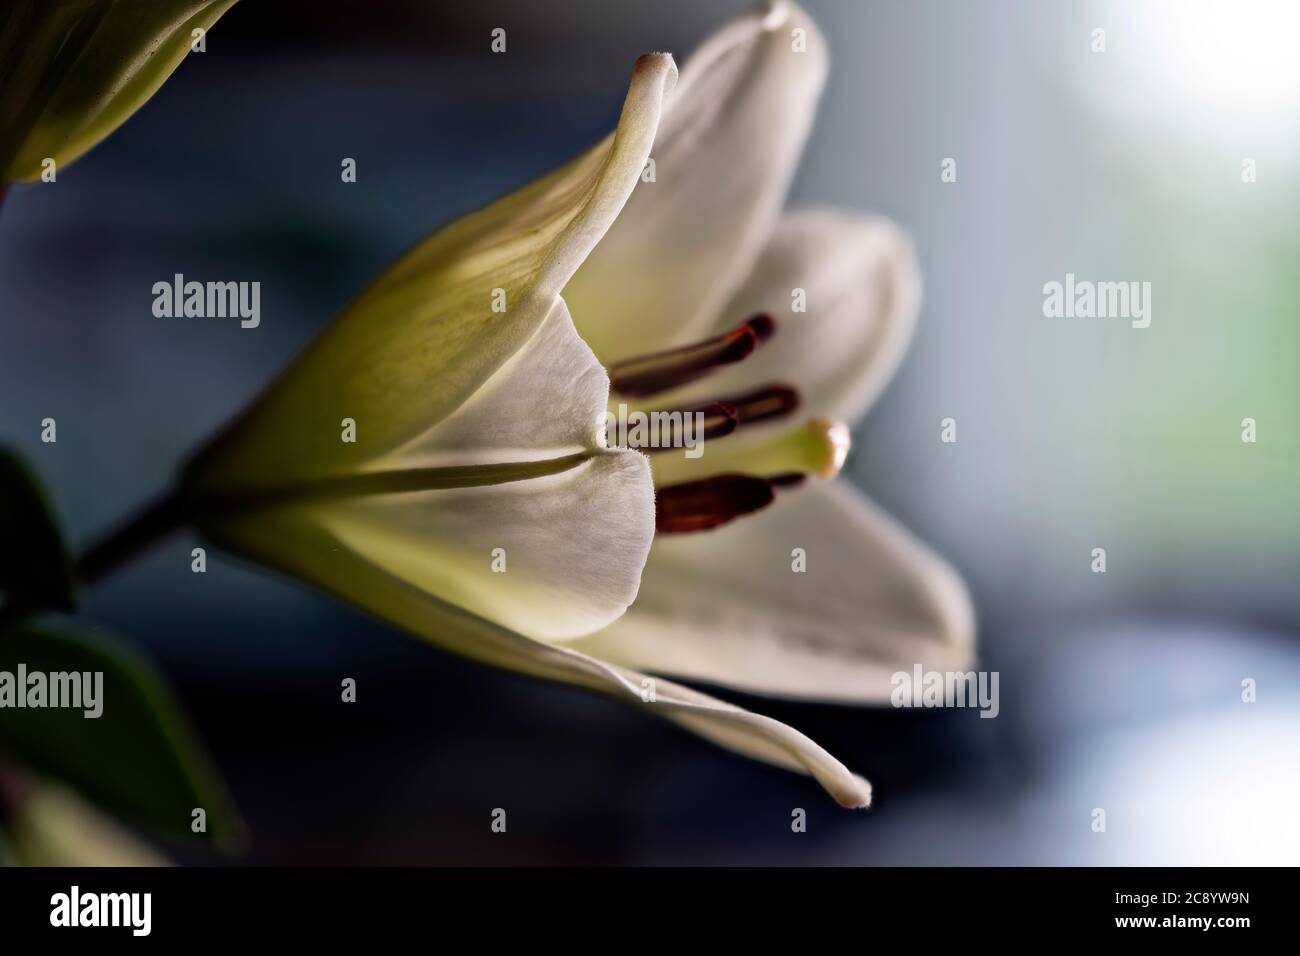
(832, 442)
(817, 447)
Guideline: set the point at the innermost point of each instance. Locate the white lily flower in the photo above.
(445, 428)
(478, 430)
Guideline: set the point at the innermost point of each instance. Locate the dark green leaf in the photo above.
(139, 759)
(35, 570)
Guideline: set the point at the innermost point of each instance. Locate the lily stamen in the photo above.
(650, 374)
(709, 502)
(771, 401)
(675, 427)
(787, 479)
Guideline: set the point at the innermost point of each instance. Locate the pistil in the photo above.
(817, 447)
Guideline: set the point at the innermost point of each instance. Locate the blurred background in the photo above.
(1119, 690)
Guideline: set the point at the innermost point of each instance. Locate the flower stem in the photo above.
(185, 506)
(143, 531)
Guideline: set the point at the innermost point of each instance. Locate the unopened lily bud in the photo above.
(73, 71)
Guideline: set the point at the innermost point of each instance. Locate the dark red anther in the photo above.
(771, 401)
(708, 503)
(763, 325)
(650, 374)
(720, 419)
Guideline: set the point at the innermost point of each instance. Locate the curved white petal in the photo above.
(331, 562)
(726, 606)
(422, 340)
(862, 290)
(554, 557)
(545, 402)
(727, 146)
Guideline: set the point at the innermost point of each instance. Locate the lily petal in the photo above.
(730, 138)
(571, 545)
(554, 555)
(862, 289)
(545, 402)
(425, 337)
(333, 563)
(727, 607)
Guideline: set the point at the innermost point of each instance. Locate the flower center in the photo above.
(741, 477)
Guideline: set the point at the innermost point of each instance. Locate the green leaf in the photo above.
(35, 569)
(139, 759)
(73, 71)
